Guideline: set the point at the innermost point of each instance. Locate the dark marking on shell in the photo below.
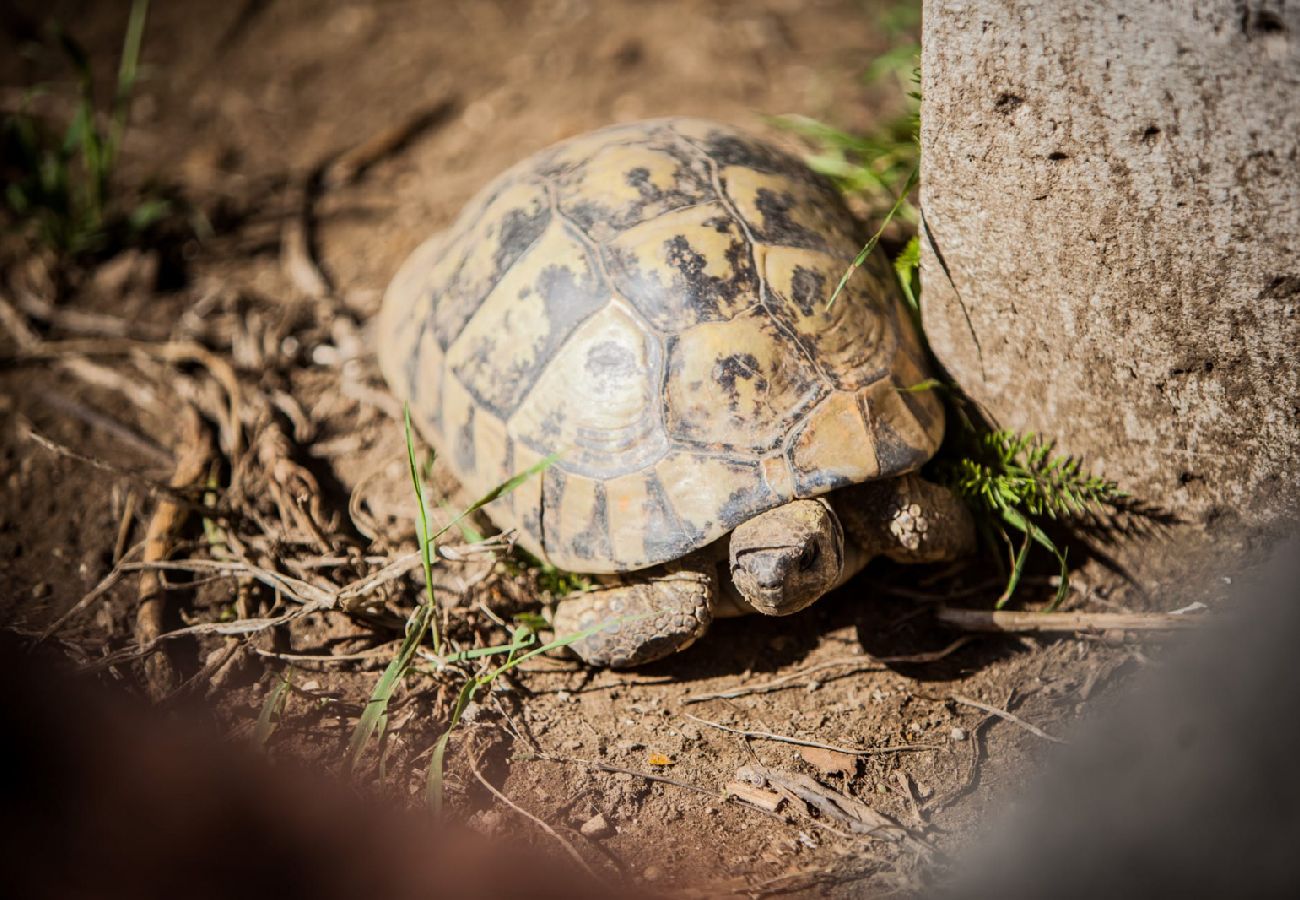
(519, 231)
(570, 300)
(778, 227)
(508, 464)
(808, 289)
(893, 454)
(813, 482)
(710, 294)
(746, 502)
(666, 535)
(731, 150)
(743, 366)
(593, 542)
(600, 221)
(553, 482)
(464, 452)
(609, 362)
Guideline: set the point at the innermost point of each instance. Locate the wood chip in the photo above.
(830, 762)
(757, 796)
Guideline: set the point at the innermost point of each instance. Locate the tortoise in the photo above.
(650, 302)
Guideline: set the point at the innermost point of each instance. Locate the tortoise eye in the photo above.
(809, 556)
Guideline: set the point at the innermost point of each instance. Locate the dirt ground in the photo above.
(238, 106)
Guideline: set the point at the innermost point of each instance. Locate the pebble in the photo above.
(957, 734)
(41, 590)
(652, 873)
(596, 827)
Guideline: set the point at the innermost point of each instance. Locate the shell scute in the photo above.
(686, 266)
(736, 386)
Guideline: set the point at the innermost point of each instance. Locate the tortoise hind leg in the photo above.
(649, 618)
(907, 519)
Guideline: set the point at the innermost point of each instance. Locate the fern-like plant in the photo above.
(1013, 481)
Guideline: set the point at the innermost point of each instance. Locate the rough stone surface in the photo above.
(1113, 251)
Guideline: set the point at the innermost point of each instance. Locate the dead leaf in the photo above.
(658, 759)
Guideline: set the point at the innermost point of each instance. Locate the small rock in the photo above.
(596, 827)
(652, 873)
(957, 733)
(41, 590)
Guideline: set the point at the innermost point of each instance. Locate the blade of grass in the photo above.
(272, 709)
(126, 77)
(426, 542)
(497, 492)
(875, 238)
(377, 705)
(1017, 569)
(425, 616)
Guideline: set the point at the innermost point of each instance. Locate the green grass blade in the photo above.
(126, 77)
(426, 542)
(377, 706)
(1017, 569)
(875, 238)
(433, 784)
(499, 491)
(272, 710)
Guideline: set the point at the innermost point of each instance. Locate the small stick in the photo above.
(855, 664)
(799, 742)
(112, 578)
(124, 527)
(769, 801)
(1010, 717)
(191, 467)
(1013, 621)
(568, 847)
(372, 653)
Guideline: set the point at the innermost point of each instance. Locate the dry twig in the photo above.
(800, 742)
(568, 847)
(1010, 717)
(1004, 620)
(193, 458)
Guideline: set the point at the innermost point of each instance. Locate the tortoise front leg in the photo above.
(650, 617)
(907, 519)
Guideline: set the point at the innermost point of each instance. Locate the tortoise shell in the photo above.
(650, 302)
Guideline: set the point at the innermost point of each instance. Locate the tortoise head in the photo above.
(784, 559)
